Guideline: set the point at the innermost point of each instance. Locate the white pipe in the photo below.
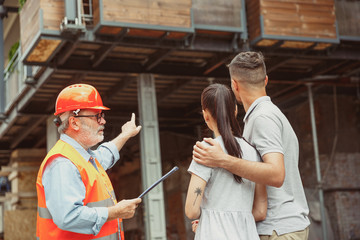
(317, 162)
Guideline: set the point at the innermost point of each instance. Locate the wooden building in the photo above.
(154, 58)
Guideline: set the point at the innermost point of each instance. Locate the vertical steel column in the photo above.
(52, 135)
(155, 227)
(317, 162)
(2, 81)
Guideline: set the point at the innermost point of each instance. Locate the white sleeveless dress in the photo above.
(226, 208)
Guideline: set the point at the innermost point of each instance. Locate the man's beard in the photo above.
(92, 137)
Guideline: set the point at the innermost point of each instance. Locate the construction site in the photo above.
(154, 58)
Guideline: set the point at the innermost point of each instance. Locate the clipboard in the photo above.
(159, 181)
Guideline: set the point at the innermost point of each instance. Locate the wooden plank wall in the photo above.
(96, 12)
(21, 202)
(29, 23)
(171, 13)
(348, 17)
(303, 18)
(54, 13)
(43, 50)
(217, 12)
(20, 224)
(253, 18)
(292, 18)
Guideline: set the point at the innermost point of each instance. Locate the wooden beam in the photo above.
(121, 85)
(326, 67)
(176, 86)
(277, 65)
(104, 51)
(217, 61)
(66, 52)
(156, 58)
(101, 54)
(353, 72)
(28, 129)
(21, 169)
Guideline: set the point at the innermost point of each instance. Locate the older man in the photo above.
(76, 199)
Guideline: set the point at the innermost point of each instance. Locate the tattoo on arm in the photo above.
(198, 192)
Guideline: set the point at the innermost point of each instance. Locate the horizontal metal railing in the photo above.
(14, 79)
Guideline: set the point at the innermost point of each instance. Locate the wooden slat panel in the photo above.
(157, 12)
(43, 50)
(133, 50)
(169, 4)
(288, 3)
(176, 35)
(115, 13)
(348, 17)
(217, 12)
(54, 13)
(302, 18)
(253, 18)
(266, 42)
(96, 12)
(145, 33)
(83, 53)
(298, 29)
(29, 23)
(110, 30)
(20, 224)
(172, 17)
(296, 44)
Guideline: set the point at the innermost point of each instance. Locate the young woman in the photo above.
(226, 204)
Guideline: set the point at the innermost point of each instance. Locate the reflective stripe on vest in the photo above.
(110, 237)
(99, 193)
(45, 213)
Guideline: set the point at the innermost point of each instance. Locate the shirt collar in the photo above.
(254, 104)
(85, 154)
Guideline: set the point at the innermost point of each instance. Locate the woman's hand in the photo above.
(194, 225)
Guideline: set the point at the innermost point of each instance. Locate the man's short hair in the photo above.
(248, 68)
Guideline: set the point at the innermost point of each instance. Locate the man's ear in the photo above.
(74, 124)
(266, 80)
(234, 85)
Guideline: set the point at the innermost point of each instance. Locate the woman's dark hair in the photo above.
(221, 103)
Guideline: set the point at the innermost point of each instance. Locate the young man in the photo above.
(76, 199)
(267, 128)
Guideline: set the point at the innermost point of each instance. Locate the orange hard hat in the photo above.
(78, 96)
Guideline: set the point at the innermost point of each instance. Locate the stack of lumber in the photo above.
(21, 203)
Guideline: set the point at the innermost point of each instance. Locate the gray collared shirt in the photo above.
(65, 191)
(267, 128)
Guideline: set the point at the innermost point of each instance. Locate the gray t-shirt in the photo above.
(267, 128)
(226, 208)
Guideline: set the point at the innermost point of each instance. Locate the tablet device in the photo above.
(159, 181)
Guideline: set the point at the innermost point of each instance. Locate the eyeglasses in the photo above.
(98, 116)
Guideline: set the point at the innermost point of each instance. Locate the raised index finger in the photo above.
(133, 117)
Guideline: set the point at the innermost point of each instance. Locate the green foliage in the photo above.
(22, 2)
(13, 50)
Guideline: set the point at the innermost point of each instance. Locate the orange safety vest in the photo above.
(99, 193)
